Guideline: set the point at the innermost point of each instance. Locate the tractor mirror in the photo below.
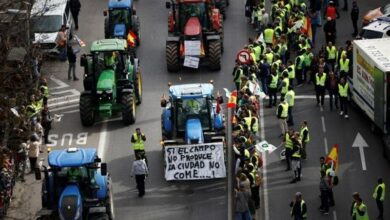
(37, 173)
(168, 5)
(105, 13)
(103, 169)
(83, 60)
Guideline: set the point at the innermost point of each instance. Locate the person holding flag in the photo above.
(332, 161)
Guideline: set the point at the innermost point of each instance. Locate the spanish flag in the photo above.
(306, 28)
(232, 100)
(333, 157)
(131, 37)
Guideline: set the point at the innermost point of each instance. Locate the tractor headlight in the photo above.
(99, 92)
(109, 91)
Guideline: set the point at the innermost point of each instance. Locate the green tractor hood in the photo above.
(106, 81)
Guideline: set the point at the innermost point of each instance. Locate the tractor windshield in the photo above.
(189, 10)
(108, 60)
(120, 16)
(193, 108)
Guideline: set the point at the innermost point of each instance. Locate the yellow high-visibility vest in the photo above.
(286, 84)
(332, 52)
(290, 96)
(268, 35)
(343, 90)
(139, 143)
(344, 65)
(274, 81)
(301, 134)
(320, 81)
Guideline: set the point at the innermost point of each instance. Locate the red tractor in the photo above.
(195, 34)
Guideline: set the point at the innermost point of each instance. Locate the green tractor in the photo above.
(112, 82)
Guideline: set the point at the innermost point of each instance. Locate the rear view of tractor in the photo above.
(112, 82)
(122, 22)
(195, 34)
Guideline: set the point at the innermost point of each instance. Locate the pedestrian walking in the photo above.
(264, 70)
(44, 90)
(343, 94)
(320, 86)
(298, 207)
(331, 55)
(138, 139)
(75, 7)
(330, 30)
(238, 73)
(331, 175)
(272, 88)
(283, 87)
(290, 98)
(305, 137)
(62, 42)
(33, 151)
(332, 87)
(296, 158)
(324, 189)
(379, 196)
(344, 65)
(242, 197)
(288, 147)
(46, 123)
(355, 18)
(282, 114)
(140, 170)
(358, 209)
(72, 64)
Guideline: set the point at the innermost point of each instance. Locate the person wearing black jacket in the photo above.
(296, 157)
(298, 207)
(333, 90)
(75, 10)
(72, 63)
(46, 123)
(330, 30)
(355, 17)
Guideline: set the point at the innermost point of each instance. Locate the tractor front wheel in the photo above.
(87, 112)
(172, 56)
(214, 55)
(128, 108)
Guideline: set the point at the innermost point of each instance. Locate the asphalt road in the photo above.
(206, 199)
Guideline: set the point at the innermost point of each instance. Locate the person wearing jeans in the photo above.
(72, 63)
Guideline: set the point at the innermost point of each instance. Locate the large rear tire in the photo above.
(138, 88)
(110, 201)
(87, 112)
(214, 55)
(128, 108)
(172, 56)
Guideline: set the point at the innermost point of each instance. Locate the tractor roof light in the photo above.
(72, 150)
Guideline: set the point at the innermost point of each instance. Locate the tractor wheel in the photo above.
(87, 112)
(128, 108)
(106, 28)
(172, 56)
(138, 88)
(110, 202)
(214, 55)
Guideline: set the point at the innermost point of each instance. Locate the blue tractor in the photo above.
(76, 186)
(122, 22)
(191, 115)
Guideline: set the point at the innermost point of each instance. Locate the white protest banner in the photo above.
(192, 48)
(195, 161)
(192, 62)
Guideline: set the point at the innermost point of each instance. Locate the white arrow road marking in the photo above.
(102, 141)
(58, 82)
(361, 143)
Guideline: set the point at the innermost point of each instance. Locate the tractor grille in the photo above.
(105, 97)
(69, 207)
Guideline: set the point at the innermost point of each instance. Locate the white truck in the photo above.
(370, 83)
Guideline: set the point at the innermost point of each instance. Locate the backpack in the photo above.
(335, 180)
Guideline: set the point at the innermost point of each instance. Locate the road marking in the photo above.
(71, 111)
(102, 141)
(326, 145)
(265, 181)
(58, 82)
(57, 104)
(334, 215)
(65, 107)
(361, 143)
(323, 124)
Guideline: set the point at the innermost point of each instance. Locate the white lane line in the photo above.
(58, 82)
(73, 91)
(102, 141)
(362, 158)
(334, 215)
(57, 104)
(326, 145)
(71, 111)
(323, 124)
(265, 181)
(64, 107)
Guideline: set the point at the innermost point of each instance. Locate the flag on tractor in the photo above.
(333, 157)
(232, 100)
(131, 37)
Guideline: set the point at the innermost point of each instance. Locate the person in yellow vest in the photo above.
(331, 54)
(288, 147)
(284, 86)
(110, 60)
(359, 209)
(272, 88)
(45, 91)
(268, 35)
(320, 86)
(296, 157)
(299, 67)
(305, 138)
(343, 94)
(344, 66)
(282, 114)
(291, 72)
(138, 139)
(238, 73)
(298, 207)
(290, 97)
(379, 196)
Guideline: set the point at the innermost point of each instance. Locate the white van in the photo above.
(47, 17)
(379, 28)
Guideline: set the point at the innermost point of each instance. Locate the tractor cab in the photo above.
(75, 183)
(121, 20)
(191, 113)
(193, 18)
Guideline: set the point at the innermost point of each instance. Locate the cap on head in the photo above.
(298, 194)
